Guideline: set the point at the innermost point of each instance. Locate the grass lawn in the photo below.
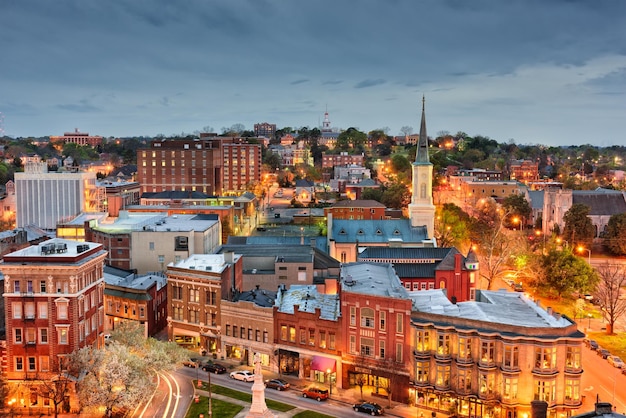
(246, 397)
(219, 408)
(311, 414)
(616, 344)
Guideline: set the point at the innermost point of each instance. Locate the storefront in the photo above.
(324, 370)
(288, 362)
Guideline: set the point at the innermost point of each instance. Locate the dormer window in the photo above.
(396, 232)
(342, 232)
(379, 232)
(360, 231)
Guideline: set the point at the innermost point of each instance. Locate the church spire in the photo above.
(421, 156)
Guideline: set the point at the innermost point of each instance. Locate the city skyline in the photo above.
(536, 72)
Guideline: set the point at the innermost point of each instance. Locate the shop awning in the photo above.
(323, 364)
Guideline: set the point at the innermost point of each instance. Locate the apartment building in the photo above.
(196, 287)
(493, 356)
(141, 299)
(212, 165)
(45, 198)
(267, 130)
(342, 159)
(54, 304)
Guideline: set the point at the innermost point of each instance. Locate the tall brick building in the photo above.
(53, 295)
(212, 165)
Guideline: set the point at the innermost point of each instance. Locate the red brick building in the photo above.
(78, 138)
(307, 331)
(54, 300)
(141, 299)
(524, 170)
(376, 314)
(212, 165)
(357, 210)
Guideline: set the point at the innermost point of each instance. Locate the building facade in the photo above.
(54, 304)
(492, 357)
(78, 138)
(356, 210)
(195, 288)
(45, 198)
(212, 165)
(140, 299)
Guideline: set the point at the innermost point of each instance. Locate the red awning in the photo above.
(323, 364)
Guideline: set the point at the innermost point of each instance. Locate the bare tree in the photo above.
(495, 243)
(57, 389)
(612, 278)
(406, 130)
(392, 376)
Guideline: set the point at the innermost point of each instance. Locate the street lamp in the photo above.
(581, 249)
(589, 317)
(330, 384)
(517, 221)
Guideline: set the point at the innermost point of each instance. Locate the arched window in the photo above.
(442, 284)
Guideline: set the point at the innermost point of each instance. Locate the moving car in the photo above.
(213, 368)
(616, 362)
(315, 393)
(278, 384)
(192, 362)
(243, 375)
(371, 408)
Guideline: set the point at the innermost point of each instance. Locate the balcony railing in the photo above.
(569, 401)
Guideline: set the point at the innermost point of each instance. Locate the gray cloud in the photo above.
(369, 83)
(131, 58)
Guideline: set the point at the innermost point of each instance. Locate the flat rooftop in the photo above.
(54, 248)
(137, 221)
(308, 299)
(495, 307)
(375, 279)
(204, 262)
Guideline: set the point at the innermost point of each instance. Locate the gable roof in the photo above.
(601, 202)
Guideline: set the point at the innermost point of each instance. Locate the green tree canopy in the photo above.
(452, 226)
(396, 196)
(563, 273)
(399, 163)
(615, 238)
(351, 139)
(516, 206)
(578, 229)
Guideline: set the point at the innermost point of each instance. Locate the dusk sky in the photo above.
(549, 72)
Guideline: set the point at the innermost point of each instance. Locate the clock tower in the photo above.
(421, 208)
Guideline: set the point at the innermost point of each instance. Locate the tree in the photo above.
(390, 380)
(562, 273)
(451, 226)
(518, 207)
(351, 138)
(578, 229)
(494, 244)
(406, 130)
(396, 196)
(399, 163)
(615, 237)
(612, 279)
(121, 376)
(273, 161)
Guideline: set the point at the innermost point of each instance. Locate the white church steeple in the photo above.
(421, 208)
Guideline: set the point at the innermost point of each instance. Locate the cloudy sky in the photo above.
(547, 72)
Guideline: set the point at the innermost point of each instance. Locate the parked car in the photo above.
(616, 362)
(371, 408)
(213, 368)
(604, 353)
(261, 228)
(518, 287)
(278, 384)
(243, 375)
(315, 393)
(192, 362)
(593, 345)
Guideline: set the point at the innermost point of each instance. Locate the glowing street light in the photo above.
(580, 249)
